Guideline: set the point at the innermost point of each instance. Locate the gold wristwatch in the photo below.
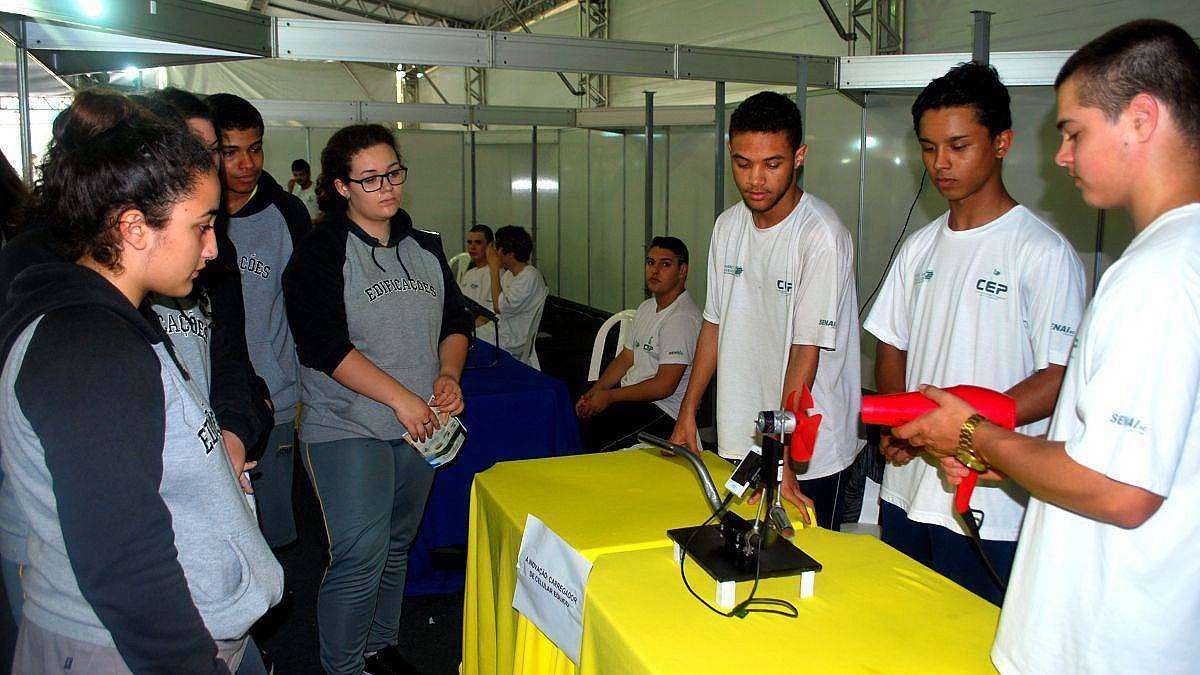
(966, 444)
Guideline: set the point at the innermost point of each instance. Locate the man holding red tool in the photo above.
(988, 294)
(1106, 578)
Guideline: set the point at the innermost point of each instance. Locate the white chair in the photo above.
(533, 335)
(623, 319)
(459, 265)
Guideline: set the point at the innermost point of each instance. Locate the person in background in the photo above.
(988, 294)
(381, 332)
(143, 554)
(264, 224)
(518, 293)
(476, 281)
(13, 197)
(1105, 578)
(781, 311)
(302, 185)
(642, 387)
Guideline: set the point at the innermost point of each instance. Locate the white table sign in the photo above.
(551, 578)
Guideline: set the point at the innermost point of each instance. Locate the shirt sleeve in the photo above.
(716, 262)
(1141, 361)
(817, 292)
(314, 296)
(888, 319)
(102, 437)
(519, 295)
(1053, 291)
(677, 338)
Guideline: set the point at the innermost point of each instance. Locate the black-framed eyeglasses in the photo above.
(375, 183)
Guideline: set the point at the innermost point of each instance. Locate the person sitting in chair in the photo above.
(518, 293)
(643, 386)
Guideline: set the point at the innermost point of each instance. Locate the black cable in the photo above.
(742, 609)
(892, 255)
(973, 520)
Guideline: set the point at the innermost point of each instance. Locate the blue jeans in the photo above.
(948, 553)
(372, 496)
(273, 486)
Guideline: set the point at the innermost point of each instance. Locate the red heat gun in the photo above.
(893, 410)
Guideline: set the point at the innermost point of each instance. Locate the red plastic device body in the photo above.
(804, 438)
(893, 410)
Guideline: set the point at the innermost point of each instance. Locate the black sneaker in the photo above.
(388, 661)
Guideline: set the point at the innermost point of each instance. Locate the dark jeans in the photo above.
(372, 496)
(948, 553)
(618, 426)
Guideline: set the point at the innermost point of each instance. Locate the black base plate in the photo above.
(707, 548)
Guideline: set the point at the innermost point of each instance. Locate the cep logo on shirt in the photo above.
(922, 277)
(993, 289)
(647, 347)
(1129, 422)
(782, 286)
(734, 270)
(254, 266)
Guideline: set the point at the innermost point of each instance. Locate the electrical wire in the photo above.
(899, 239)
(742, 609)
(973, 520)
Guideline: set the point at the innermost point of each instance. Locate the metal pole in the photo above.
(1099, 259)
(719, 149)
(862, 192)
(982, 31)
(533, 190)
(23, 104)
(649, 170)
(474, 215)
(802, 104)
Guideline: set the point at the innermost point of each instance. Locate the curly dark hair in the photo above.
(13, 197)
(768, 112)
(109, 155)
(337, 155)
(968, 85)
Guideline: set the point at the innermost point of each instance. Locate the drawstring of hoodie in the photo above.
(398, 259)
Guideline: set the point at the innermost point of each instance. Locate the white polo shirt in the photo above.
(522, 298)
(1085, 596)
(988, 306)
(476, 284)
(790, 284)
(663, 338)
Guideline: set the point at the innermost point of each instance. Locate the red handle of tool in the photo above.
(892, 410)
(962, 494)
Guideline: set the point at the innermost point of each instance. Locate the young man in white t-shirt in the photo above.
(476, 282)
(518, 295)
(1106, 578)
(987, 294)
(301, 184)
(781, 309)
(642, 387)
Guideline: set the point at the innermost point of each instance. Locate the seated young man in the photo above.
(518, 293)
(476, 282)
(643, 386)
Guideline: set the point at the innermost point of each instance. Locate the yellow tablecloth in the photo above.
(874, 611)
(615, 508)
(599, 503)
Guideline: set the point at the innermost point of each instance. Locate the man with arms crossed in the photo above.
(1105, 578)
(988, 294)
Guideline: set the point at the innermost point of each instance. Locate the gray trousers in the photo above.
(372, 496)
(273, 486)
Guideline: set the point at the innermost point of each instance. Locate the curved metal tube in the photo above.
(706, 481)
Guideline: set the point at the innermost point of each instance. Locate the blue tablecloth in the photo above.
(512, 412)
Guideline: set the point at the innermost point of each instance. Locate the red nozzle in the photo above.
(962, 494)
(804, 438)
(892, 410)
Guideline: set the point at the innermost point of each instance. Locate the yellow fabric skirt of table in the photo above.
(615, 508)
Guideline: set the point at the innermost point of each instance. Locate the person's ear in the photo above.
(801, 153)
(134, 230)
(1143, 113)
(1003, 143)
(342, 188)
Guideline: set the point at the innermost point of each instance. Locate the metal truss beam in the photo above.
(388, 11)
(593, 23)
(505, 18)
(881, 22)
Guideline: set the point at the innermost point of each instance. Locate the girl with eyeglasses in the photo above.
(380, 329)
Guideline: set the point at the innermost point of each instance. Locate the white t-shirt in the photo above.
(988, 306)
(522, 298)
(1087, 597)
(309, 197)
(660, 339)
(476, 284)
(790, 284)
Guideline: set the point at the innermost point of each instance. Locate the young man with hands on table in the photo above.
(1105, 577)
(987, 294)
(643, 386)
(781, 311)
